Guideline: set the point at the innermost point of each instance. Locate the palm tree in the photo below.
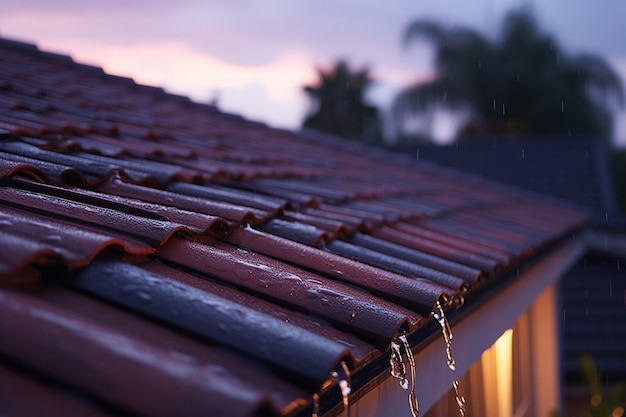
(340, 106)
(522, 82)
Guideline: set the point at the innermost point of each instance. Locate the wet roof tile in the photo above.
(145, 225)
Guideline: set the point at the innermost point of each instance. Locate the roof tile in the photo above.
(150, 225)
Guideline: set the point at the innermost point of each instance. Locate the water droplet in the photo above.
(445, 96)
(6, 223)
(523, 154)
(316, 405)
(342, 375)
(311, 293)
(51, 239)
(503, 109)
(183, 356)
(128, 289)
(332, 293)
(494, 104)
(143, 296)
(562, 106)
(292, 277)
(460, 400)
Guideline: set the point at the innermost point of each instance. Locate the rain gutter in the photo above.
(476, 326)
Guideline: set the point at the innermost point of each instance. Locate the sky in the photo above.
(254, 56)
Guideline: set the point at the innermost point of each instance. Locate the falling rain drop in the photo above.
(611, 285)
(398, 369)
(523, 154)
(503, 110)
(494, 104)
(562, 106)
(445, 96)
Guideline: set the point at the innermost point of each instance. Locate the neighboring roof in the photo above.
(593, 300)
(160, 257)
(575, 169)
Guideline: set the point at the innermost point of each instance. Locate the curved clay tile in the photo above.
(152, 230)
(227, 211)
(361, 350)
(375, 320)
(282, 394)
(416, 294)
(14, 168)
(115, 368)
(32, 240)
(301, 356)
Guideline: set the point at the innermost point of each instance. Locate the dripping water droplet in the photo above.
(342, 375)
(398, 369)
(446, 331)
(316, 405)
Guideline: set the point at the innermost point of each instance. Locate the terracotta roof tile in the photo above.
(158, 234)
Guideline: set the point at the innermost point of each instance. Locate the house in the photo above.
(593, 293)
(159, 257)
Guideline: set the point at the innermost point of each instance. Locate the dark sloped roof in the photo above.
(160, 257)
(572, 168)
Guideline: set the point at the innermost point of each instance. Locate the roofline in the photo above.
(496, 313)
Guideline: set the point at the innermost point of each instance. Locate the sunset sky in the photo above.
(254, 56)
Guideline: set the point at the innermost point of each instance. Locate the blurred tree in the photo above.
(521, 82)
(340, 106)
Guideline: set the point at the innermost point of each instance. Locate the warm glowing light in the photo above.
(504, 371)
(497, 364)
